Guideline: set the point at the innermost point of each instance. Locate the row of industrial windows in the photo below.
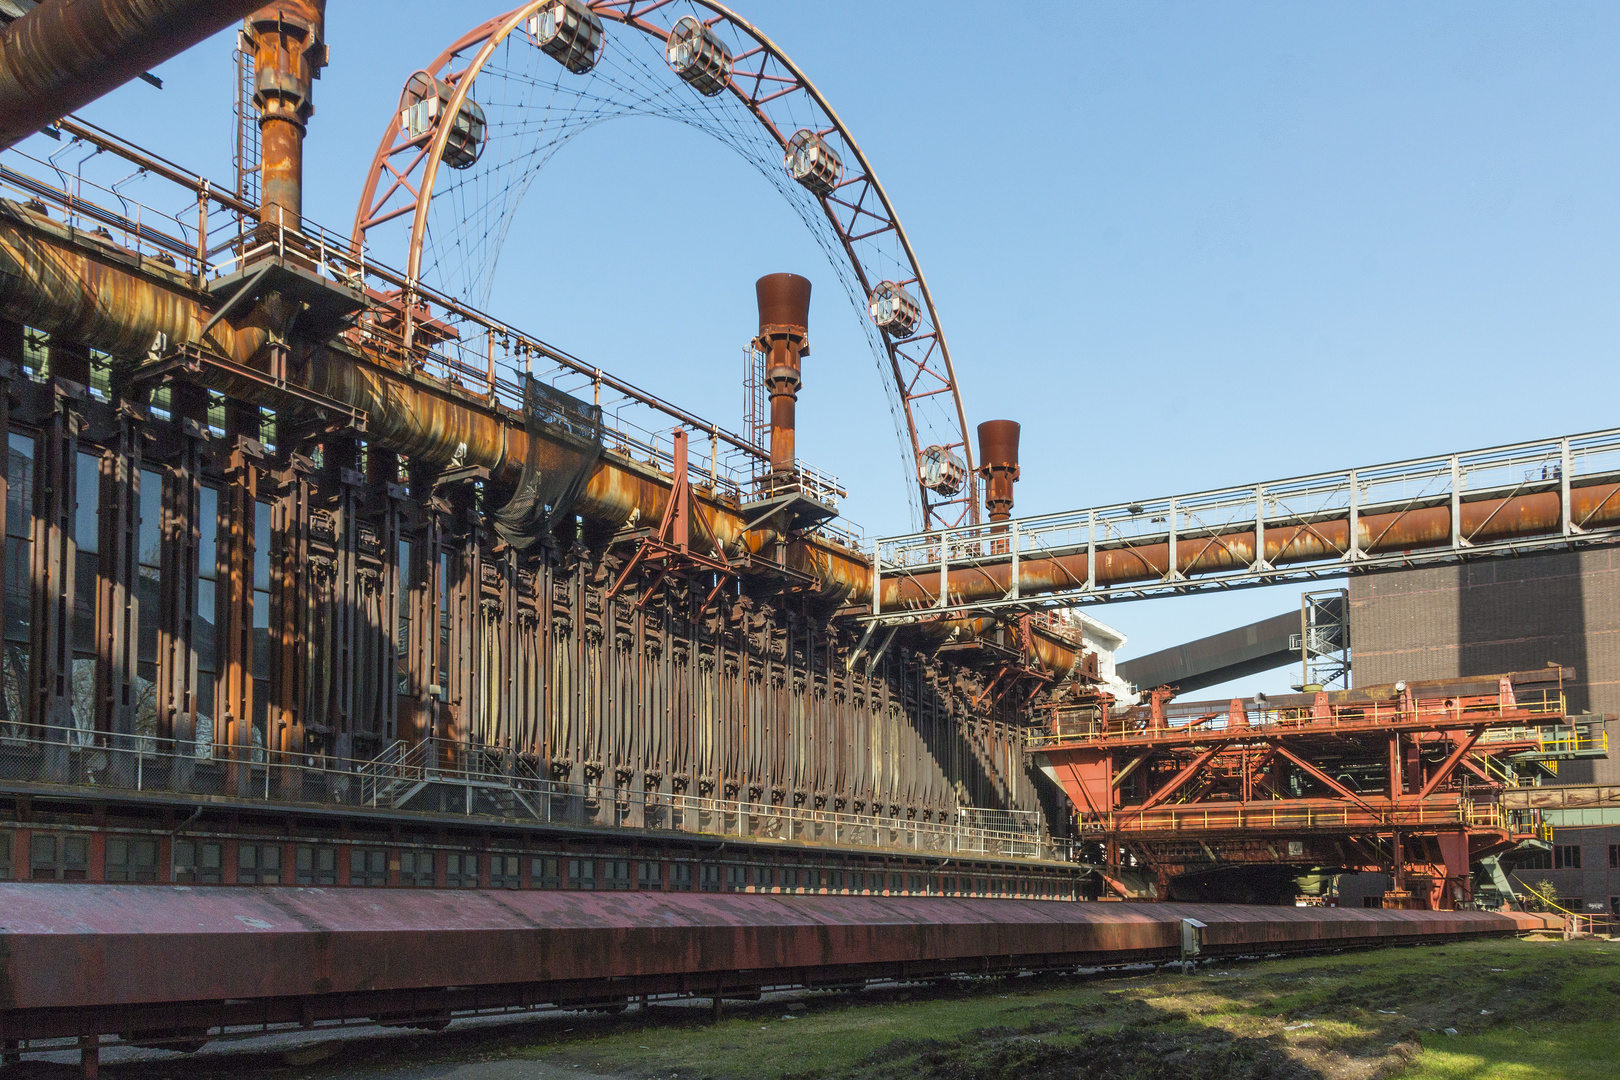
(15, 623)
(54, 857)
(1563, 857)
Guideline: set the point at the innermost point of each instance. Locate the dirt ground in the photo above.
(1471, 1011)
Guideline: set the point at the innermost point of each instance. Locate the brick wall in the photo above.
(1494, 616)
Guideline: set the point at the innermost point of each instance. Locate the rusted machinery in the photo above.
(1404, 779)
(178, 967)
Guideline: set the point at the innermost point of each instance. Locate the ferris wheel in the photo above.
(475, 127)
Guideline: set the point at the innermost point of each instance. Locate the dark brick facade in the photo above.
(1508, 615)
(1494, 616)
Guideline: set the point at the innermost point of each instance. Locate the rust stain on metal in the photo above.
(61, 56)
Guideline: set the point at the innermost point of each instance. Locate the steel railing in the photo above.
(1201, 519)
(1089, 726)
(483, 782)
(1252, 817)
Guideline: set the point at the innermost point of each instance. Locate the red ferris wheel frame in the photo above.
(403, 173)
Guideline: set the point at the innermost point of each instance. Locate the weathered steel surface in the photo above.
(288, 55)
(998, 464)
(66, 53)
(1482, 521)
(97, 945)
(784, 329)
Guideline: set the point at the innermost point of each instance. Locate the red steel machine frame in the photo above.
(1403, 778)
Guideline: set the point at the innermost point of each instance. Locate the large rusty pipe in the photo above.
(784, 336)
(288, 53)
(66, 53)
(51, 280)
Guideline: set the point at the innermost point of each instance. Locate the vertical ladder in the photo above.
(246, 155)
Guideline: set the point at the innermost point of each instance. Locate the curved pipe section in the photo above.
(67, 284)
(66, 53)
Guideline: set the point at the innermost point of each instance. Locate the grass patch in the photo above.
(1520, 1009)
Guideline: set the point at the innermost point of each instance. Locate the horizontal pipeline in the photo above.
(1481, 521)
(82, 289)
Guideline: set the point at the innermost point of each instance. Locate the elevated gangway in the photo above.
(1551, 494)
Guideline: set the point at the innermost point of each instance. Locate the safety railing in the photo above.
(1063, 559)
(1083, 726)
(805, 479)
(451, 778)
(1258, 817)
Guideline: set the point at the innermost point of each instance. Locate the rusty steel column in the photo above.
(66, 53)
(288, 56)
(233, 723)
(178, 583)
(117, 608)
(53, 560)
(784, 335)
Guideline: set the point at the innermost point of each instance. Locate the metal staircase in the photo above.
(400, 773)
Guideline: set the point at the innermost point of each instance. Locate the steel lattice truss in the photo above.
(531, 105)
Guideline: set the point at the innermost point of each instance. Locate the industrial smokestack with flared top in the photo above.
(998, 464)
(784, 336)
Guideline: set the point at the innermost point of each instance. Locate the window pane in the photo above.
(151, 534)
(208, 526)
(86, 517)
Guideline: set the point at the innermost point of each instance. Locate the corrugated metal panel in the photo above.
(100, 945)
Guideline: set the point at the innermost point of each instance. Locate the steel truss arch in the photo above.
(405, 176)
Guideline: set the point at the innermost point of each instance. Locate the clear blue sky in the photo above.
(1186, 245)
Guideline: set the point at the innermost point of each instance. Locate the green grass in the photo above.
(1581, 1051)
(1521, 1009)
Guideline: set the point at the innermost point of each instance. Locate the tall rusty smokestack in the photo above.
(289, 50)
(998, 464)
(784, 334)
(66, 53)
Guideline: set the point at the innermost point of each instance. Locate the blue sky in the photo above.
(1185, 245)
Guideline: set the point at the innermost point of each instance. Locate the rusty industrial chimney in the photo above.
(784, 329)
(998, 464)
(287, 38)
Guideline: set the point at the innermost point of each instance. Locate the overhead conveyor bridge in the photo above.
(1504, 500)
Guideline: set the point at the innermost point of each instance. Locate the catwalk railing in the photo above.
(448, 778)
(1258, 817)
(1085, 726)
(1311, 527)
